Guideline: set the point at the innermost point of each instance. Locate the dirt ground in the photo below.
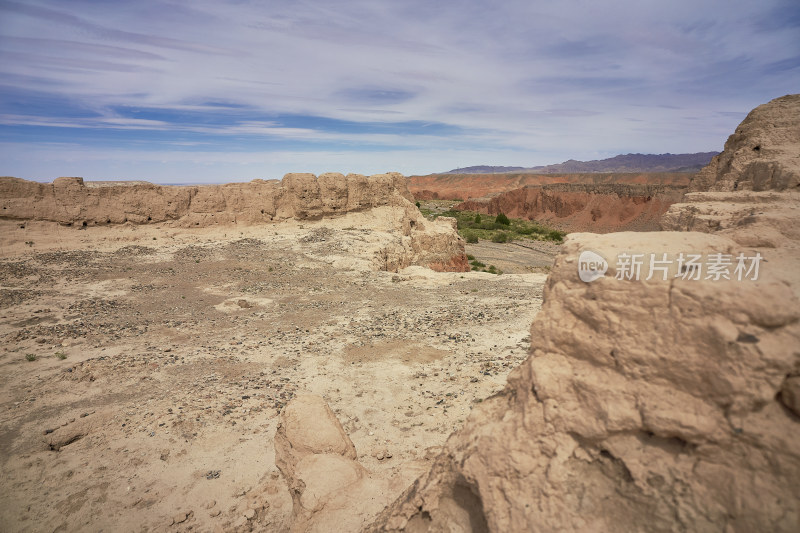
(142, 368)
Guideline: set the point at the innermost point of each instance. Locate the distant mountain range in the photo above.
(620, 163)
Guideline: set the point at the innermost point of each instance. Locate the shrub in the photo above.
(30, 357)
(478, 218)
(418, 205)
(477, 264)
(502, 219)
(471, 238)
(61, 355)
(555, 235)
(500, 236)
(470, 257)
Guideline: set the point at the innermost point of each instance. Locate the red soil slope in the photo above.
(578, 207)
(467, 186)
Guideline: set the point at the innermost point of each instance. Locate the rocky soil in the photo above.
(144, 367)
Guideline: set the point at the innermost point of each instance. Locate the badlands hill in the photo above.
(570, 202)
(482, 186)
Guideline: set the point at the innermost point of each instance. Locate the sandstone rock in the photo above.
(638, 410)
(761, 155)
(790, 394)
(330, 490)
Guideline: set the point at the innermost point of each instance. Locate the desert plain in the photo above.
(160, 358)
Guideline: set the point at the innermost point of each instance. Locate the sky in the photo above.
(218, 91)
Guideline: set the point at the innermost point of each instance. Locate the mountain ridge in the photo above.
(620, 163)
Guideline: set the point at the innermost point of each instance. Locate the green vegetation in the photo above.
(471, 226)
(30, 357)
(478, 266)
(61, 355)
(500, 236)
(419, 205)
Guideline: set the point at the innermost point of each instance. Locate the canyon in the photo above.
(600, 203)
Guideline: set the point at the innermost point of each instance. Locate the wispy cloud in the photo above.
(421, 85)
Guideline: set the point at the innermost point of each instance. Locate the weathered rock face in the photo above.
(658, 406)
(667, 404)
(763, 154)
(576, 207)
(72, 202)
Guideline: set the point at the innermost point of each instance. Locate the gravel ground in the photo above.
(162, 357)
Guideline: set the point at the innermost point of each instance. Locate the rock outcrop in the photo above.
(73, 202)
(763, 154)
(570, 207)
(330, 489)
(660, 404)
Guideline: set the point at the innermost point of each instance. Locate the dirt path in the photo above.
(518, 257)
(162, 358)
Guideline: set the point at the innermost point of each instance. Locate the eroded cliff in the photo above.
(473, 186)
(599, 208)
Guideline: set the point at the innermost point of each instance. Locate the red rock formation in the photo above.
(466, 186)
(577, 207)
(457, 263)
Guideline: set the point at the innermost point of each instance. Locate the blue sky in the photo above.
(217, 91)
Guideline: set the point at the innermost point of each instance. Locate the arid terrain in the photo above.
(314, 355)
(598, 203)
(163, 356)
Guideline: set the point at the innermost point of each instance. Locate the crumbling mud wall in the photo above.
(73, 202)
(299, 196)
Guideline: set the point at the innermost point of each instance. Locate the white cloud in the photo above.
(534, 81)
